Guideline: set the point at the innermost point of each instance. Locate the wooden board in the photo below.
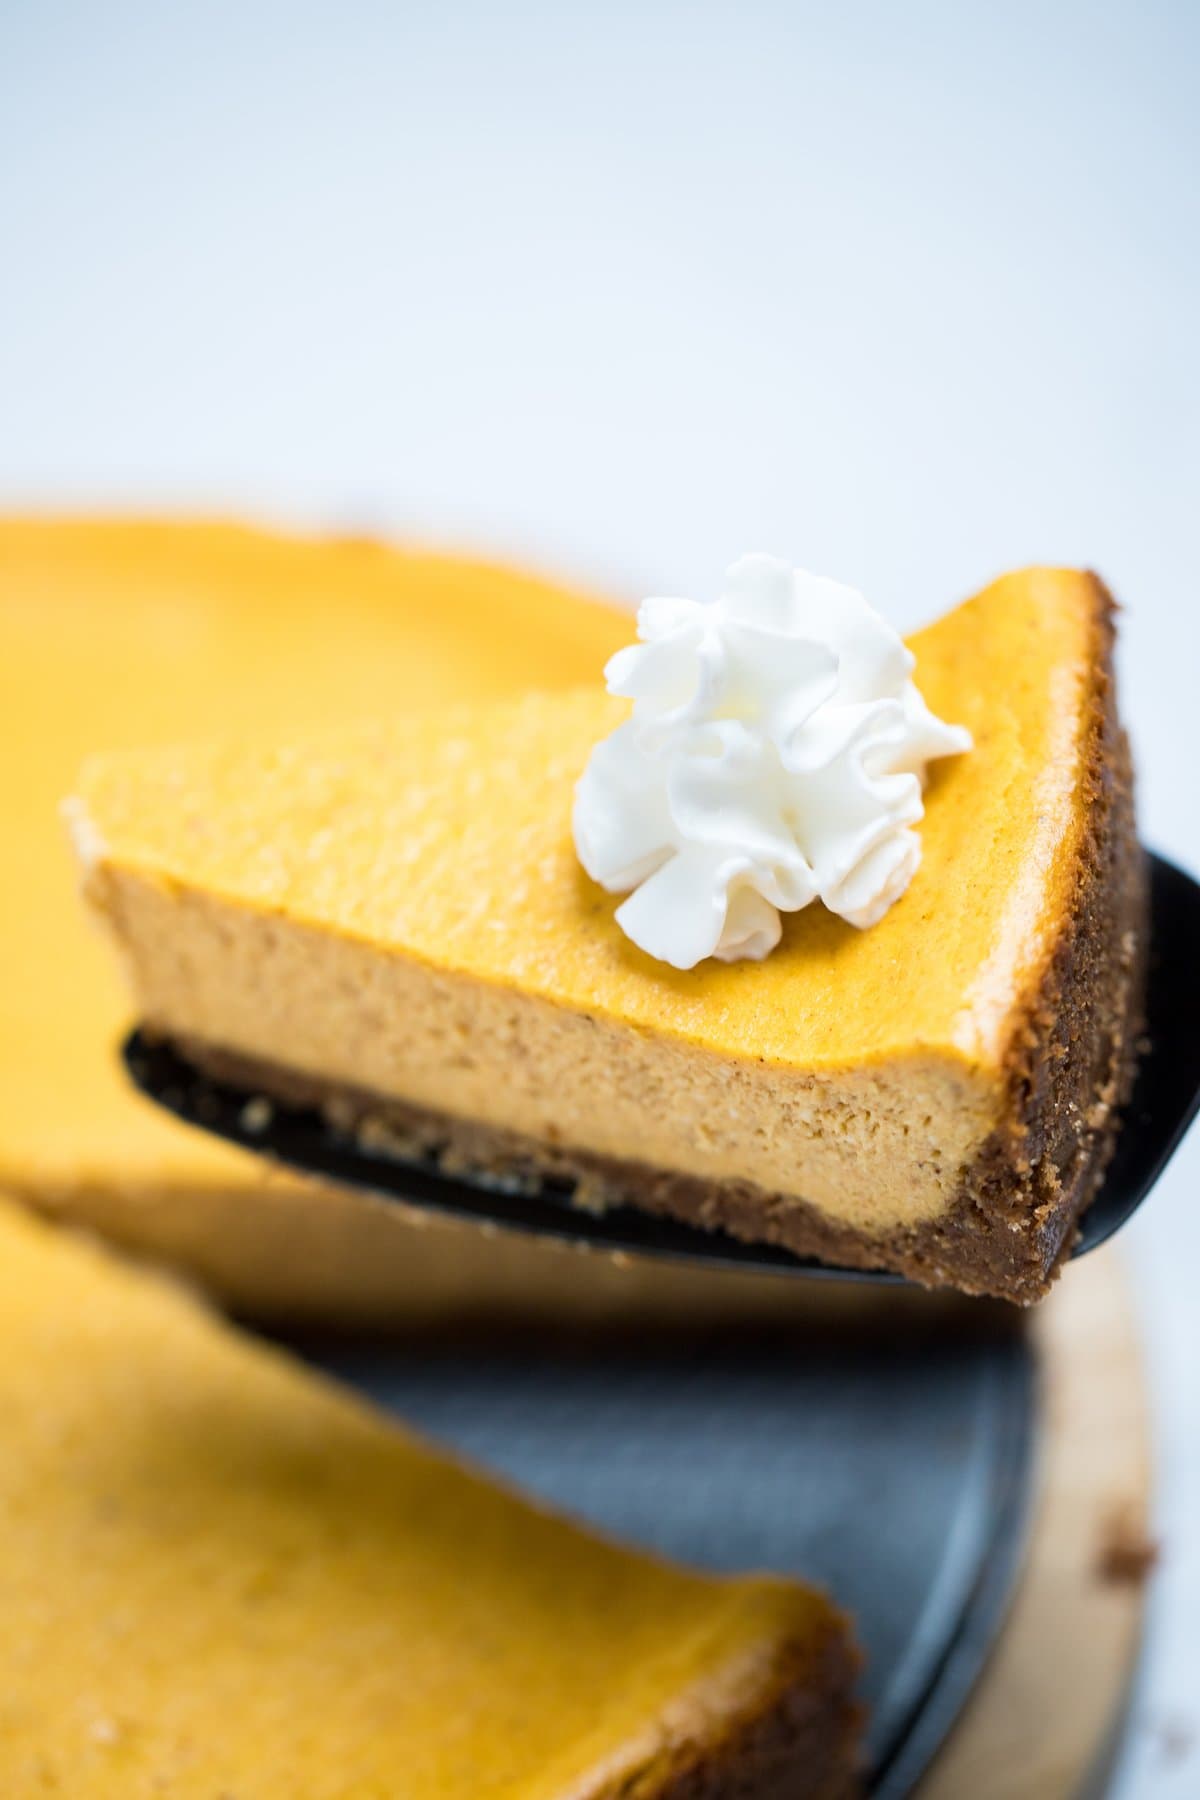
(1046, 1717)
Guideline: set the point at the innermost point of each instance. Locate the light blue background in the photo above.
(907, 293)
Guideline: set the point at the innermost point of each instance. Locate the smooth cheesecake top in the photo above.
(223, 1575)
(447, 839)
(140, 633)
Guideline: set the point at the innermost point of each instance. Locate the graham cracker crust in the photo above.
(1015, 1213)
(799, 1742)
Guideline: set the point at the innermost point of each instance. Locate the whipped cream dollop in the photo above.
(775, 755)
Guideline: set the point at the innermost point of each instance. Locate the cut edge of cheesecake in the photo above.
(240, 1477)
(1066, 1059)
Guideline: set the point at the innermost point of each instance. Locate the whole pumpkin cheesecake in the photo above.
(221, 1574)
(882, 1047)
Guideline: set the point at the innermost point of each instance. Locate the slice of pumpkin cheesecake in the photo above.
(919, 1070)
(221, 1574)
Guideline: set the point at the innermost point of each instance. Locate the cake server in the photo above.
(1164, 1101)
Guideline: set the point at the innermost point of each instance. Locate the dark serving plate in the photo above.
(890, 1462)
(1163, 1104)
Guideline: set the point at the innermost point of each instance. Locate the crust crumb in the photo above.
(1125, 1554)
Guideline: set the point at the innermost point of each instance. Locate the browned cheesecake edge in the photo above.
(799, 1740)
(1074, 1050)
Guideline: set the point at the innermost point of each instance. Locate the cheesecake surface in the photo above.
(221, 1574)
(389, 919)
(135, 632)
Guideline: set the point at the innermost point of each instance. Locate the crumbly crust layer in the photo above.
(799, 1742)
